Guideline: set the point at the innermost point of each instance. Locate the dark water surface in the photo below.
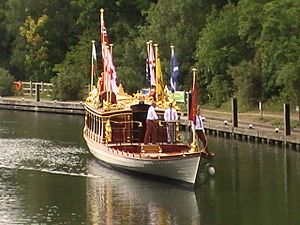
(47, 176)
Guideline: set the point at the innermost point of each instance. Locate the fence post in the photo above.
(287, 120)
(37, 92)
(234, 112)
(30, 88)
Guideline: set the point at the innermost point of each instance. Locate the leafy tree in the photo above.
(247, 77)
(57, 33)
(289, 78)
(36, 58)
(216, 94)
(175, 24)
(6, 82)
(5, 38)
(73, 72)
(279, 42)
(249, 20)
(220, 47)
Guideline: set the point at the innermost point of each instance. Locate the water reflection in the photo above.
(47, 176)
(255, 183)
(118, 198)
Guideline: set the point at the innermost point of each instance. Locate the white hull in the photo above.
(178, 168)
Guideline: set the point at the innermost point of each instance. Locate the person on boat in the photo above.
(151, 125)
(201, 132)
(170, 116)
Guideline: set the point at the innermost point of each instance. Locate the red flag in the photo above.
(109, 72)
(151, 61)
(112, 75)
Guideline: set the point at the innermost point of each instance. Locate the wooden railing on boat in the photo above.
(120, 128)
(126, 134)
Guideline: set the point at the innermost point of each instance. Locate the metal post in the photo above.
(234, 112)
(287, 119)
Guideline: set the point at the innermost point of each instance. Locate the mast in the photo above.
(152, 64)
(156, 70)
(172, 68)
(194, 95)
(110, 88)
(93, 69)
(147, 69)
(104, 52)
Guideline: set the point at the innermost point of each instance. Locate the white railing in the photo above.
(29, 87)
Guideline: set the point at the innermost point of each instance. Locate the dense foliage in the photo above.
(6, 82)
(244, 48)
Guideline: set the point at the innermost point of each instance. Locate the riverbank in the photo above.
(47, 106)
(216, 123)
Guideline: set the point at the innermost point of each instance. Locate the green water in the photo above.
(47, 176)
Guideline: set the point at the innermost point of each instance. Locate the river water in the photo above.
(47, 176)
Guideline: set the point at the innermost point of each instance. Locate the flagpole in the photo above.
(152, 67)
(106, 75)
(147, 66)
(156, 81)
(92, 70)
(104, 51)
(101, 19)
(172, 50)
(193, 103)
(194, 75)
(110, 48)
(172, 68)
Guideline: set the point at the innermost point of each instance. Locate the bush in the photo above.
(67, 87)
(219, 90)
(6, 83)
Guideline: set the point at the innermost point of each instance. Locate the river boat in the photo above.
(114, 133)
(115, 125)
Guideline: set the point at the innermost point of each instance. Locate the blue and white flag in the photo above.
(174, 73)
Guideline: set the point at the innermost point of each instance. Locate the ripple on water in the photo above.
(39, 154)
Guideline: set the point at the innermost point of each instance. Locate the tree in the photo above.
(6, 82)
(175, 24)
(279, 43)
(5, 37)
(58, 32)
(289, 79)
(216, 94)
(74, 72)
(248, 79)
(219, 47)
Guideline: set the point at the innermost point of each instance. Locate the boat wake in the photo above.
(50, 171)
(43, 156)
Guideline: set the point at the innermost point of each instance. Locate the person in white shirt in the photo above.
(201, 132)
(151, 125)
(170, 116)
